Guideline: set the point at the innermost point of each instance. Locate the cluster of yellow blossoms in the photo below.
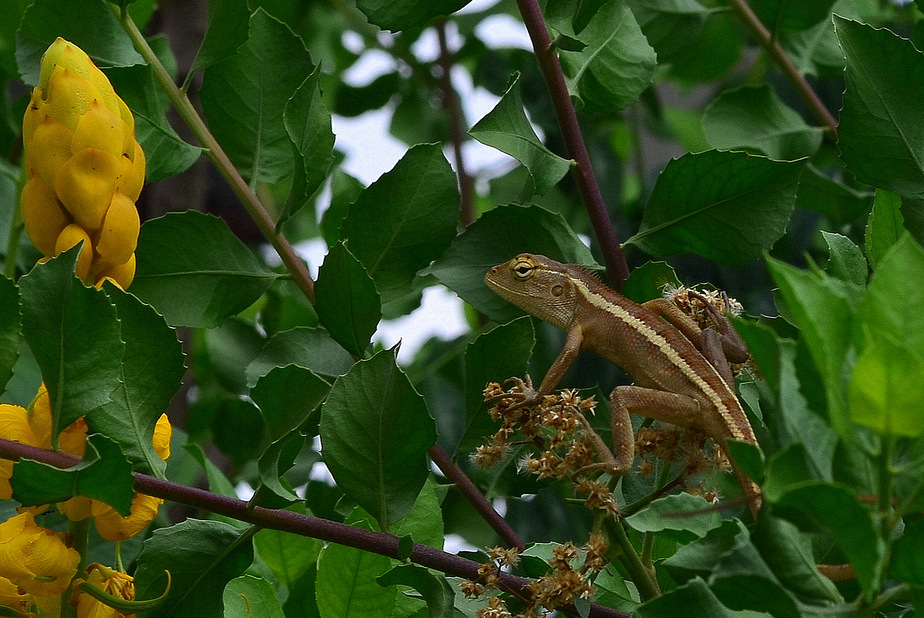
(85, 168)
(36, 565)
(85, 171)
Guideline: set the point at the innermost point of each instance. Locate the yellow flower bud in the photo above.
(42, 215)
(85, 184)
(118, 235)
(70, 236)
(79, 139)
(163, 431)
(35, 559)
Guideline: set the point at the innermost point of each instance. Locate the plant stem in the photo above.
(214, 151)
(457, 127)
(613, 257)
(782, 59)
(296, 523)
(79, 532)
(641, 576)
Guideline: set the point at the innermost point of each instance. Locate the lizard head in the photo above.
(538, 285)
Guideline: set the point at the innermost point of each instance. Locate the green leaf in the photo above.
(507, 128)
(789, 555)
(729, 207)
(683, 518)
(404, 220)
(347, 302)
(435, 590)
(202, 557)
(10, 329)
(166, 154)
(841, 204)
(89, 24)
(73, 332)
(754, 119)
(714, 52)
(225, 33)
(307, 123)
(346, 583)
(907, 564)
(103, 474)
(424, 523)
(823, 308)
(250, 596)
(287, 397)
(375, 433)
(237, 429)
(276, 460)
(151, 373)
(405, 14)
(246, 115)
(891, 307)
(670, 26)
(289, 556)
(881, 138)
(836, 510)
(194, 271)
(616, 66)
(845, 259)
(779, 15)
(884, 227)
(500, 353)
(694, 598)
(310, 348)
(737, 574)
(497, 236)
(884, 393)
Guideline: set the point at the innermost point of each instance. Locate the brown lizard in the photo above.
(660, 347)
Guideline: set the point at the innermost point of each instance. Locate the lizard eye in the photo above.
(523, 269)
(557, 290)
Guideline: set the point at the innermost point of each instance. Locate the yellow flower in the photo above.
(114, 527)
(85, 168)
(12, 597)
(35, 559)
(14, 425)
(117, 584)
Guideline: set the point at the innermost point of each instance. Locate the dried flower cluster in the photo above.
(561, 586)
(557, 425)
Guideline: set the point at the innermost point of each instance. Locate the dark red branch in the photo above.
(457, 127)
(550, 66)
(296, 523)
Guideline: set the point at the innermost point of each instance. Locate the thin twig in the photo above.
(214, 151)
(296, 523)
(768, 42)
(457, 126)
(613, 257)
(477, 499)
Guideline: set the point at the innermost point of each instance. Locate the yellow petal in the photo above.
(121, 275)
(118, 236)
(35, 559)
(68, 97)
(162, 434)
(133, 174)
(113, 527)
(42, 215)
(85, 185)
(70, 236)
(49, 149)
(99, 128)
